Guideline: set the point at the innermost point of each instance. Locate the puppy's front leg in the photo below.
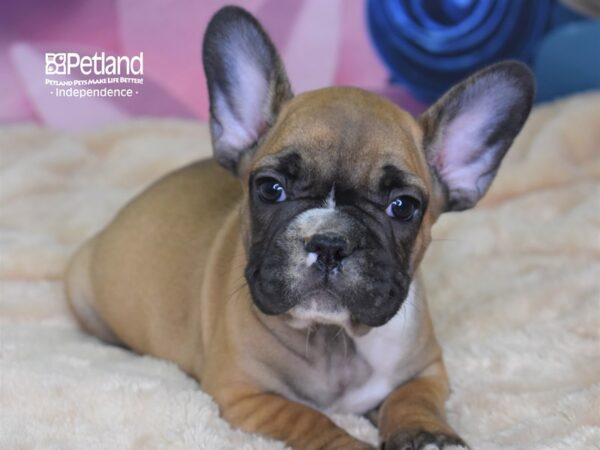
(412, 417)
(299, 426)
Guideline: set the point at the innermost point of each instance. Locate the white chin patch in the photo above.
(314, 311)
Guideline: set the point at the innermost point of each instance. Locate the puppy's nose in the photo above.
(330, 250)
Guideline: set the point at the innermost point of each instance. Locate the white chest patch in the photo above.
(390, 351)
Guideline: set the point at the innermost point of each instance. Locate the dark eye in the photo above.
(271, 191)
(403, 208)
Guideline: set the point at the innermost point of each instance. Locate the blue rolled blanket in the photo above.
(429, 45)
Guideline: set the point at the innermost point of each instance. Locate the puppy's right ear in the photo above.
(247, 84)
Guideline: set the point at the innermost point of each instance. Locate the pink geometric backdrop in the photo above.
(322, 42)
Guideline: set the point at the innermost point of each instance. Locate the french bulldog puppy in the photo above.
(283, 274)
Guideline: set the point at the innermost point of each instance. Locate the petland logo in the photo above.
(99, 64)
(70, 74)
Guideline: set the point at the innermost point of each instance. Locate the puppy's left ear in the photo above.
(468, 131)
(247, 83)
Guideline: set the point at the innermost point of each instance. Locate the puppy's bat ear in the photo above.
(468, 131)
(247, 83)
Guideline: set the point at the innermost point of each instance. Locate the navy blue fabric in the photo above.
(568, 61)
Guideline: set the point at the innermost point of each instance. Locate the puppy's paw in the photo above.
(424, 440)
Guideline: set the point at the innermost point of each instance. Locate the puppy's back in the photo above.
(133, 281)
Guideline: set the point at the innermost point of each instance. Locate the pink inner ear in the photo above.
(462, 158)
(247, 121)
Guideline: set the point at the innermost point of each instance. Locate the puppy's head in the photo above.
(341, 186)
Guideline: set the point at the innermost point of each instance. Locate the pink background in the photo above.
(322, 42)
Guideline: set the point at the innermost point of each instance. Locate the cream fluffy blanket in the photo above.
(514, 287)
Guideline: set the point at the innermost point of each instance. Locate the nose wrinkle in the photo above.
(313, 221)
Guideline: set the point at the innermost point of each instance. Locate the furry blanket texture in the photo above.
(514, 289)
